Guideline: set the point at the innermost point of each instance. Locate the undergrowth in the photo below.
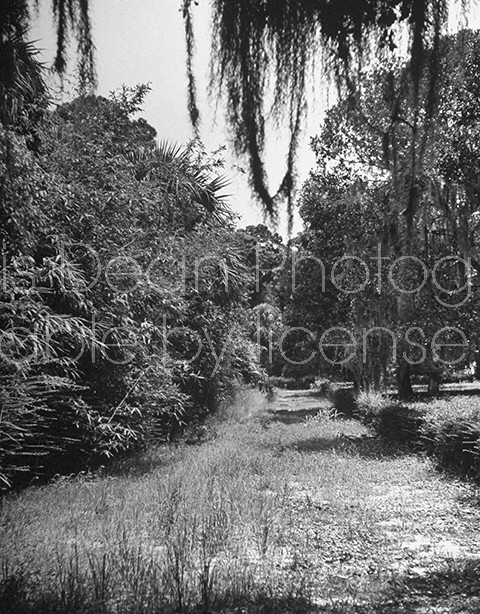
(447, 428)
(280, 509)
(198, 532)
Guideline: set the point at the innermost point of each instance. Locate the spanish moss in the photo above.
(192, 86)
(264, 53)
(21, 74)
(73, 17)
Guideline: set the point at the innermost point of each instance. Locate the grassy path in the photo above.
(280, 509)
(386, 530)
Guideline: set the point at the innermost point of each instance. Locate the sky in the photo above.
(143, 41)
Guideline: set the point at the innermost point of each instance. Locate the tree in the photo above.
(334, 275)
(369, 148)
(265, 256)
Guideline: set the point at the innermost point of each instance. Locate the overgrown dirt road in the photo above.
(281, 509)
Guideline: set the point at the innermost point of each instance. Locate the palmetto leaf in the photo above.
(22, 84)
(186, 175)
(169, 151)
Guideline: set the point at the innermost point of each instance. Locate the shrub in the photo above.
(447, 429)
(292, 383)
(280, 382)
(451, 433)
(305, 381)
(398, 422)
(343, 400)
(322, 387)
(369, 405)
(389, 418)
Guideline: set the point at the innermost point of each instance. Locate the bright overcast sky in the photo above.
(143, 41)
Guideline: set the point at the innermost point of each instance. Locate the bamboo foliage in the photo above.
(119, 264)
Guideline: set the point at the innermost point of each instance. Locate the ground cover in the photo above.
(283, 507)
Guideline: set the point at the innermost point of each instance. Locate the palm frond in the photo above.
(22, 84)
(203, 187)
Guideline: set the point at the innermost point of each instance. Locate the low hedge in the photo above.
(451, 433)
(447, 429)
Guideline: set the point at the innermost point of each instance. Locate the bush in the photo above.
(342, 399)
(389, 418)
(451, 432)
(305, 381)
(322, 387)
(447, 429)
(369, 405)
(398, 422)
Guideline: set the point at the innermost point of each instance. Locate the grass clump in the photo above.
(451, 433)
(448, 429)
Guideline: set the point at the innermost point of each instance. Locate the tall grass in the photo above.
(198, 533)
(288, 512)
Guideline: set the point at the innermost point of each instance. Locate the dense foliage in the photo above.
(122, 313)
(408, 270)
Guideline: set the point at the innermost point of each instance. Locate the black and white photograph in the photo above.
(239, 307)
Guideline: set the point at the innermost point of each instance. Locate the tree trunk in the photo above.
(406, 311)
(404, 382)
(434, 380)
